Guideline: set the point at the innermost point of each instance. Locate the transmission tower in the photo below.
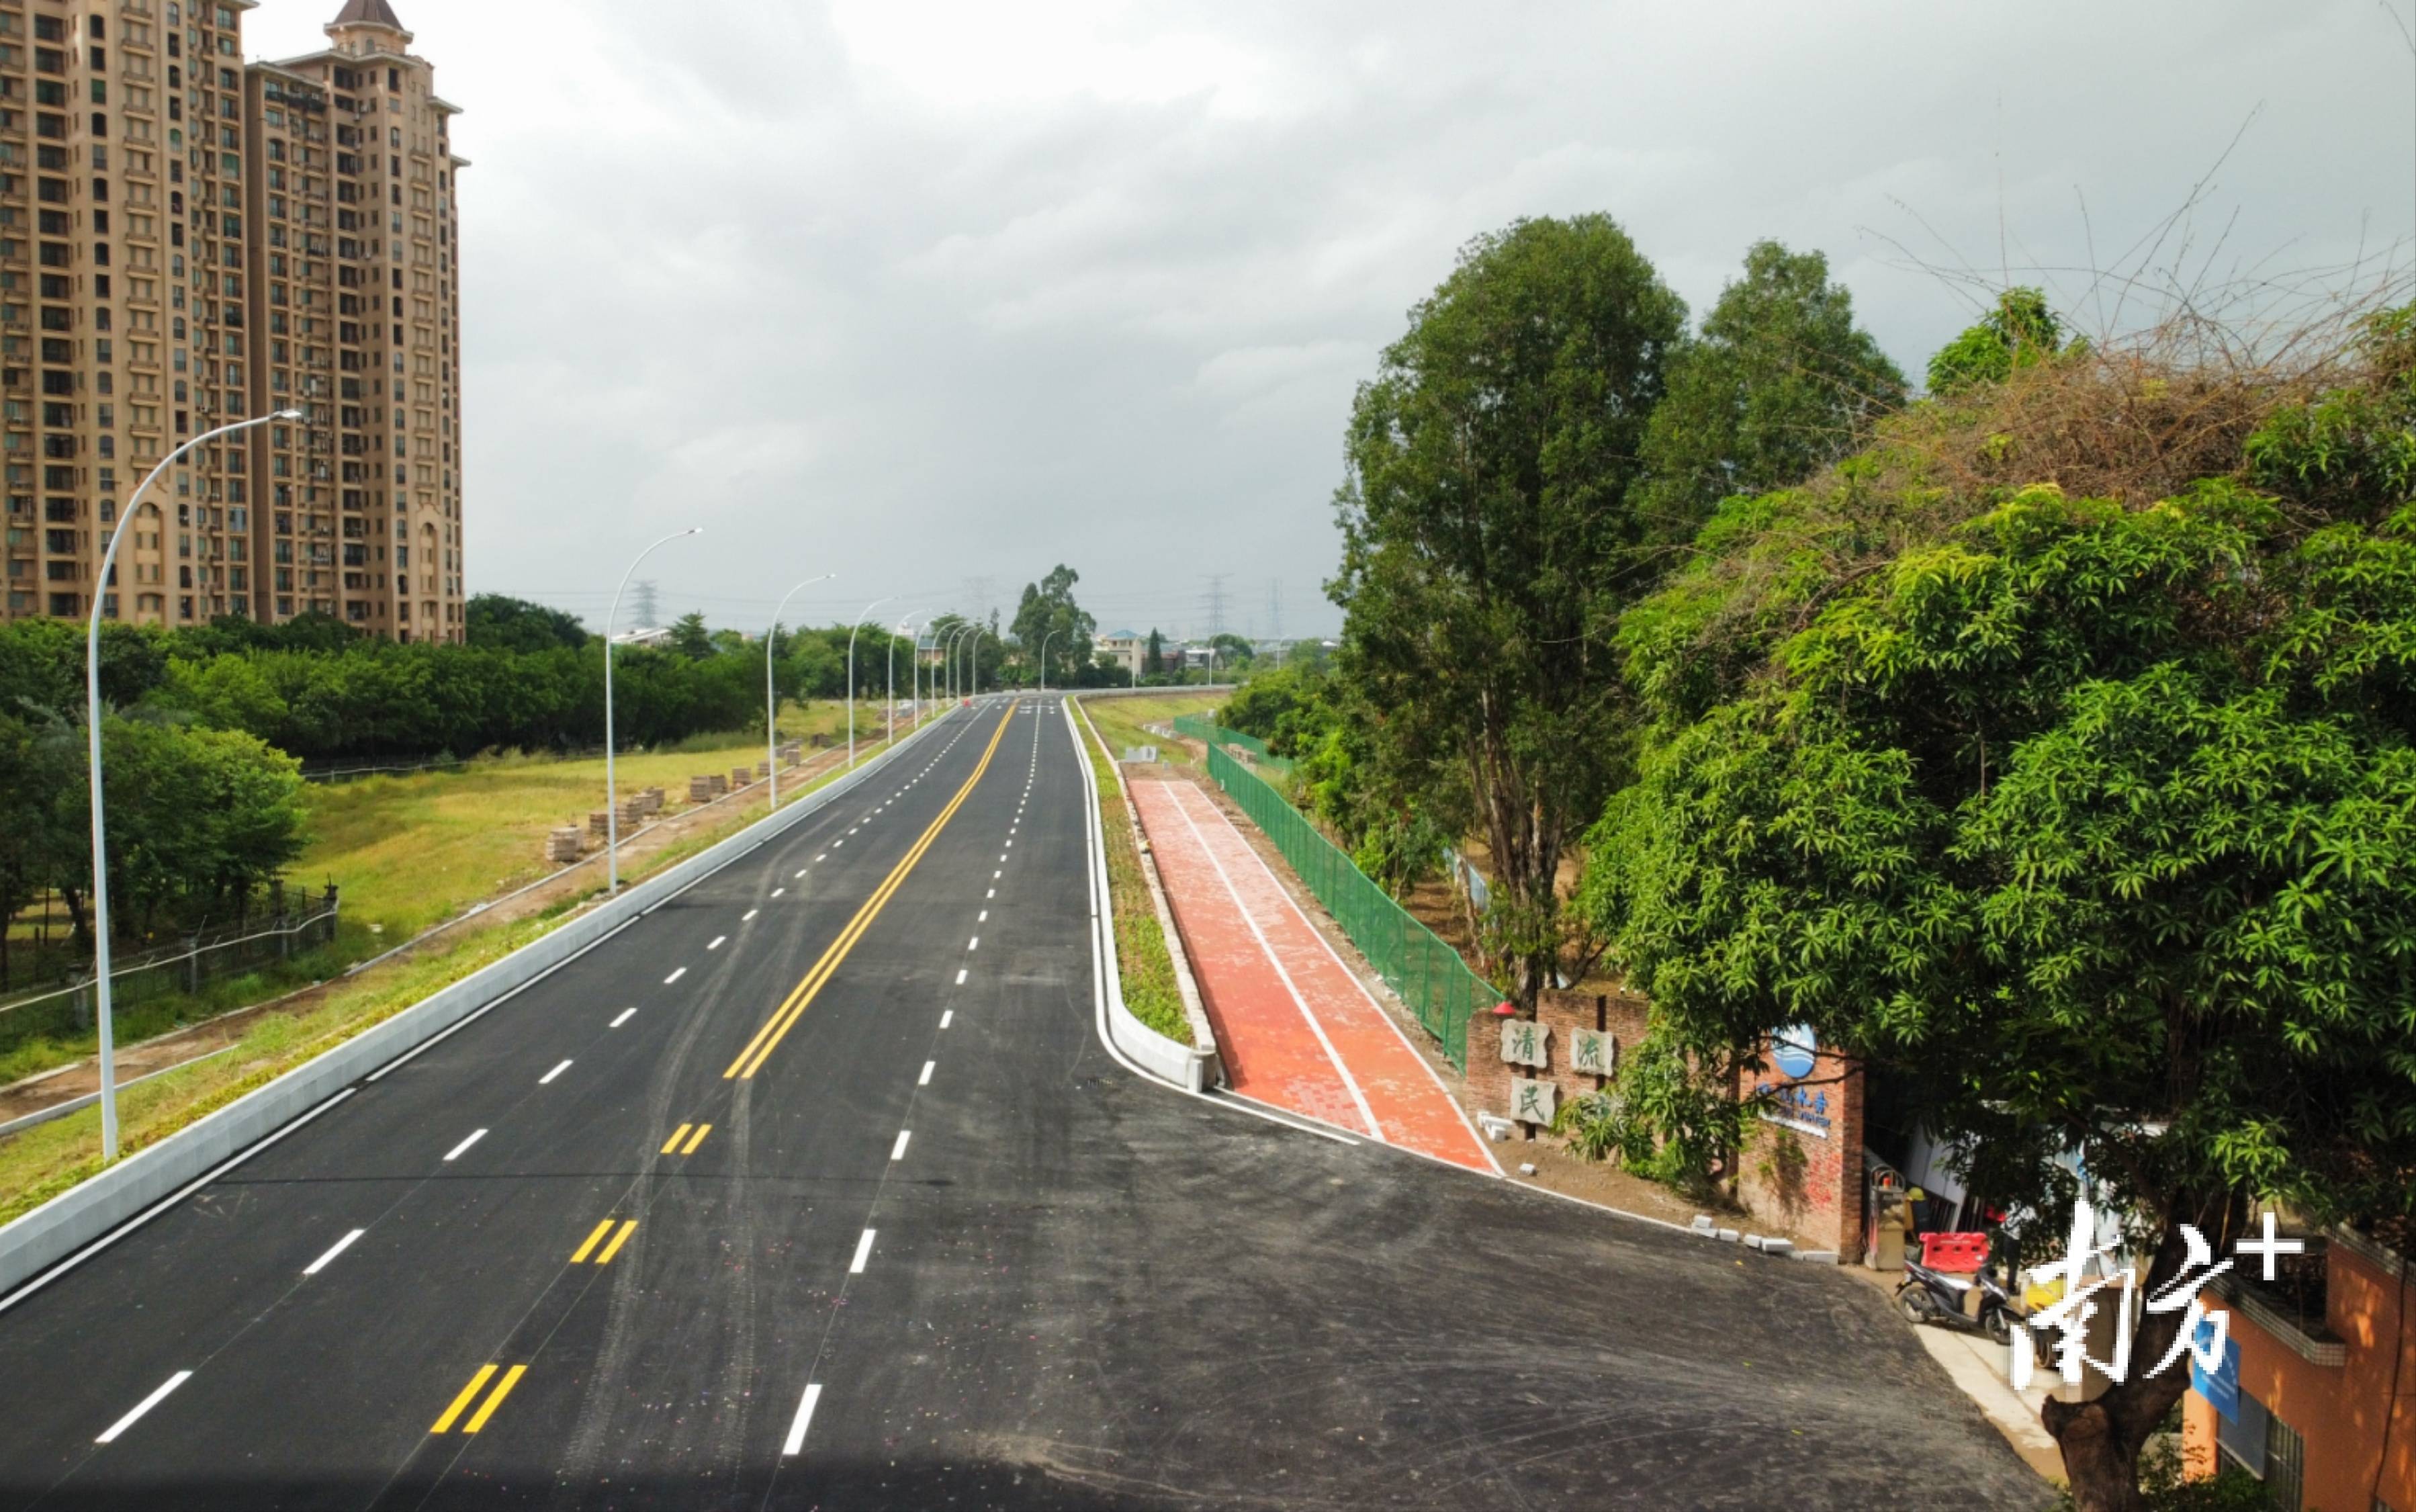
(644, 606)
(1215, 605)
(1275, 616)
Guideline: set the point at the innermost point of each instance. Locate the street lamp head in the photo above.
(288, 415)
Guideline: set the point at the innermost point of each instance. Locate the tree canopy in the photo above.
(1489, 542)
(1781, 384)
(2093, 824)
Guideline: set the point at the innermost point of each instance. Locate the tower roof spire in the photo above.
(369, 13)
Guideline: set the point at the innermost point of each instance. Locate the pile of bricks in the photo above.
(564, 845)
(740, 775)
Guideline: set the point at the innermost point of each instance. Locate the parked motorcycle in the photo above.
(1930, 1295)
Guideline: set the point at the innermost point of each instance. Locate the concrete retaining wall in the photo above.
(68, 1222)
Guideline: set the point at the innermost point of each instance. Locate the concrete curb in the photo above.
(1178, 949)
(1183, 1065)
(89, 1213)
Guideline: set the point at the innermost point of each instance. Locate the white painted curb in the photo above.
(1183, 1066)
(86, 1212)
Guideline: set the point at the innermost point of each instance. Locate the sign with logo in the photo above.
(1592, 1052)
(1524, 1043)
(1534, 1102)
(1804, 1110)
(1792, 1049)
(2220, 1386)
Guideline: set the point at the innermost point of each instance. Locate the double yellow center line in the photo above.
(776, 1028)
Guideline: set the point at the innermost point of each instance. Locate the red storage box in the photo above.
(1955, 1251)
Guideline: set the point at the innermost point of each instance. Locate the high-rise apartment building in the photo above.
(187, 240)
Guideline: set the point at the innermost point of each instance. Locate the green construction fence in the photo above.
(1212, 734)
(1428, 974)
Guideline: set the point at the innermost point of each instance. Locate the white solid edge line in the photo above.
(1266, 946)
(162, 1206)
(328, 1258)
(626, 1014)
(897, 1151)
(463, 1148)
(675, 977)
(863, 1254)
(547, 1080)
(796, 1442)
(1483, 1143)
(146, 1405)
(947, 1017)
(928, 1067)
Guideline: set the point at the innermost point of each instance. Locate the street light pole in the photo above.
(851, 676)
(771, 704)
(1043, 659)
(92, 729)
(611, 790)
(955, 639)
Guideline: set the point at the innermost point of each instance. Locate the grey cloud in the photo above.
(1104, 301)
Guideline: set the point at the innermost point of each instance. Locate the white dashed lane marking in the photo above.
(626, 1014)
(463, 1148)
(148, 1402)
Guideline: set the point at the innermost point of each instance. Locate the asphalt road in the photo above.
(815, 1187)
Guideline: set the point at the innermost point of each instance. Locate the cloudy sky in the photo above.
(936, 294)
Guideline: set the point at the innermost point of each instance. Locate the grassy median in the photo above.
(1142, 954)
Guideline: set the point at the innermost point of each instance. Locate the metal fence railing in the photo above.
(1428, 974)
(1208, 732)
(69, 1010)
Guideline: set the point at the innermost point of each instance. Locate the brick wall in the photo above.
(1488, 1075)
(1804, 1177)
(1795, 1181)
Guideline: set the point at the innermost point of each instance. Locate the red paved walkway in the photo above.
(1293, 1024)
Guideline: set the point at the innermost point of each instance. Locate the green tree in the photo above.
(1048, 621)
(1488, 545)
(690, 639)
(2021, 330)
(496, 621)
(197, 819)
(1152, 660)
(2095, 830)
(1781, 384)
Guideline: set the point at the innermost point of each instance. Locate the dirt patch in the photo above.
(571, 884)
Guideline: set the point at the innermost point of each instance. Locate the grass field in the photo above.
(1120, 721)
(409, 852)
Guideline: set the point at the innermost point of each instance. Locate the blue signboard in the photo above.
(1792, 1049)
(2222, 1387)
